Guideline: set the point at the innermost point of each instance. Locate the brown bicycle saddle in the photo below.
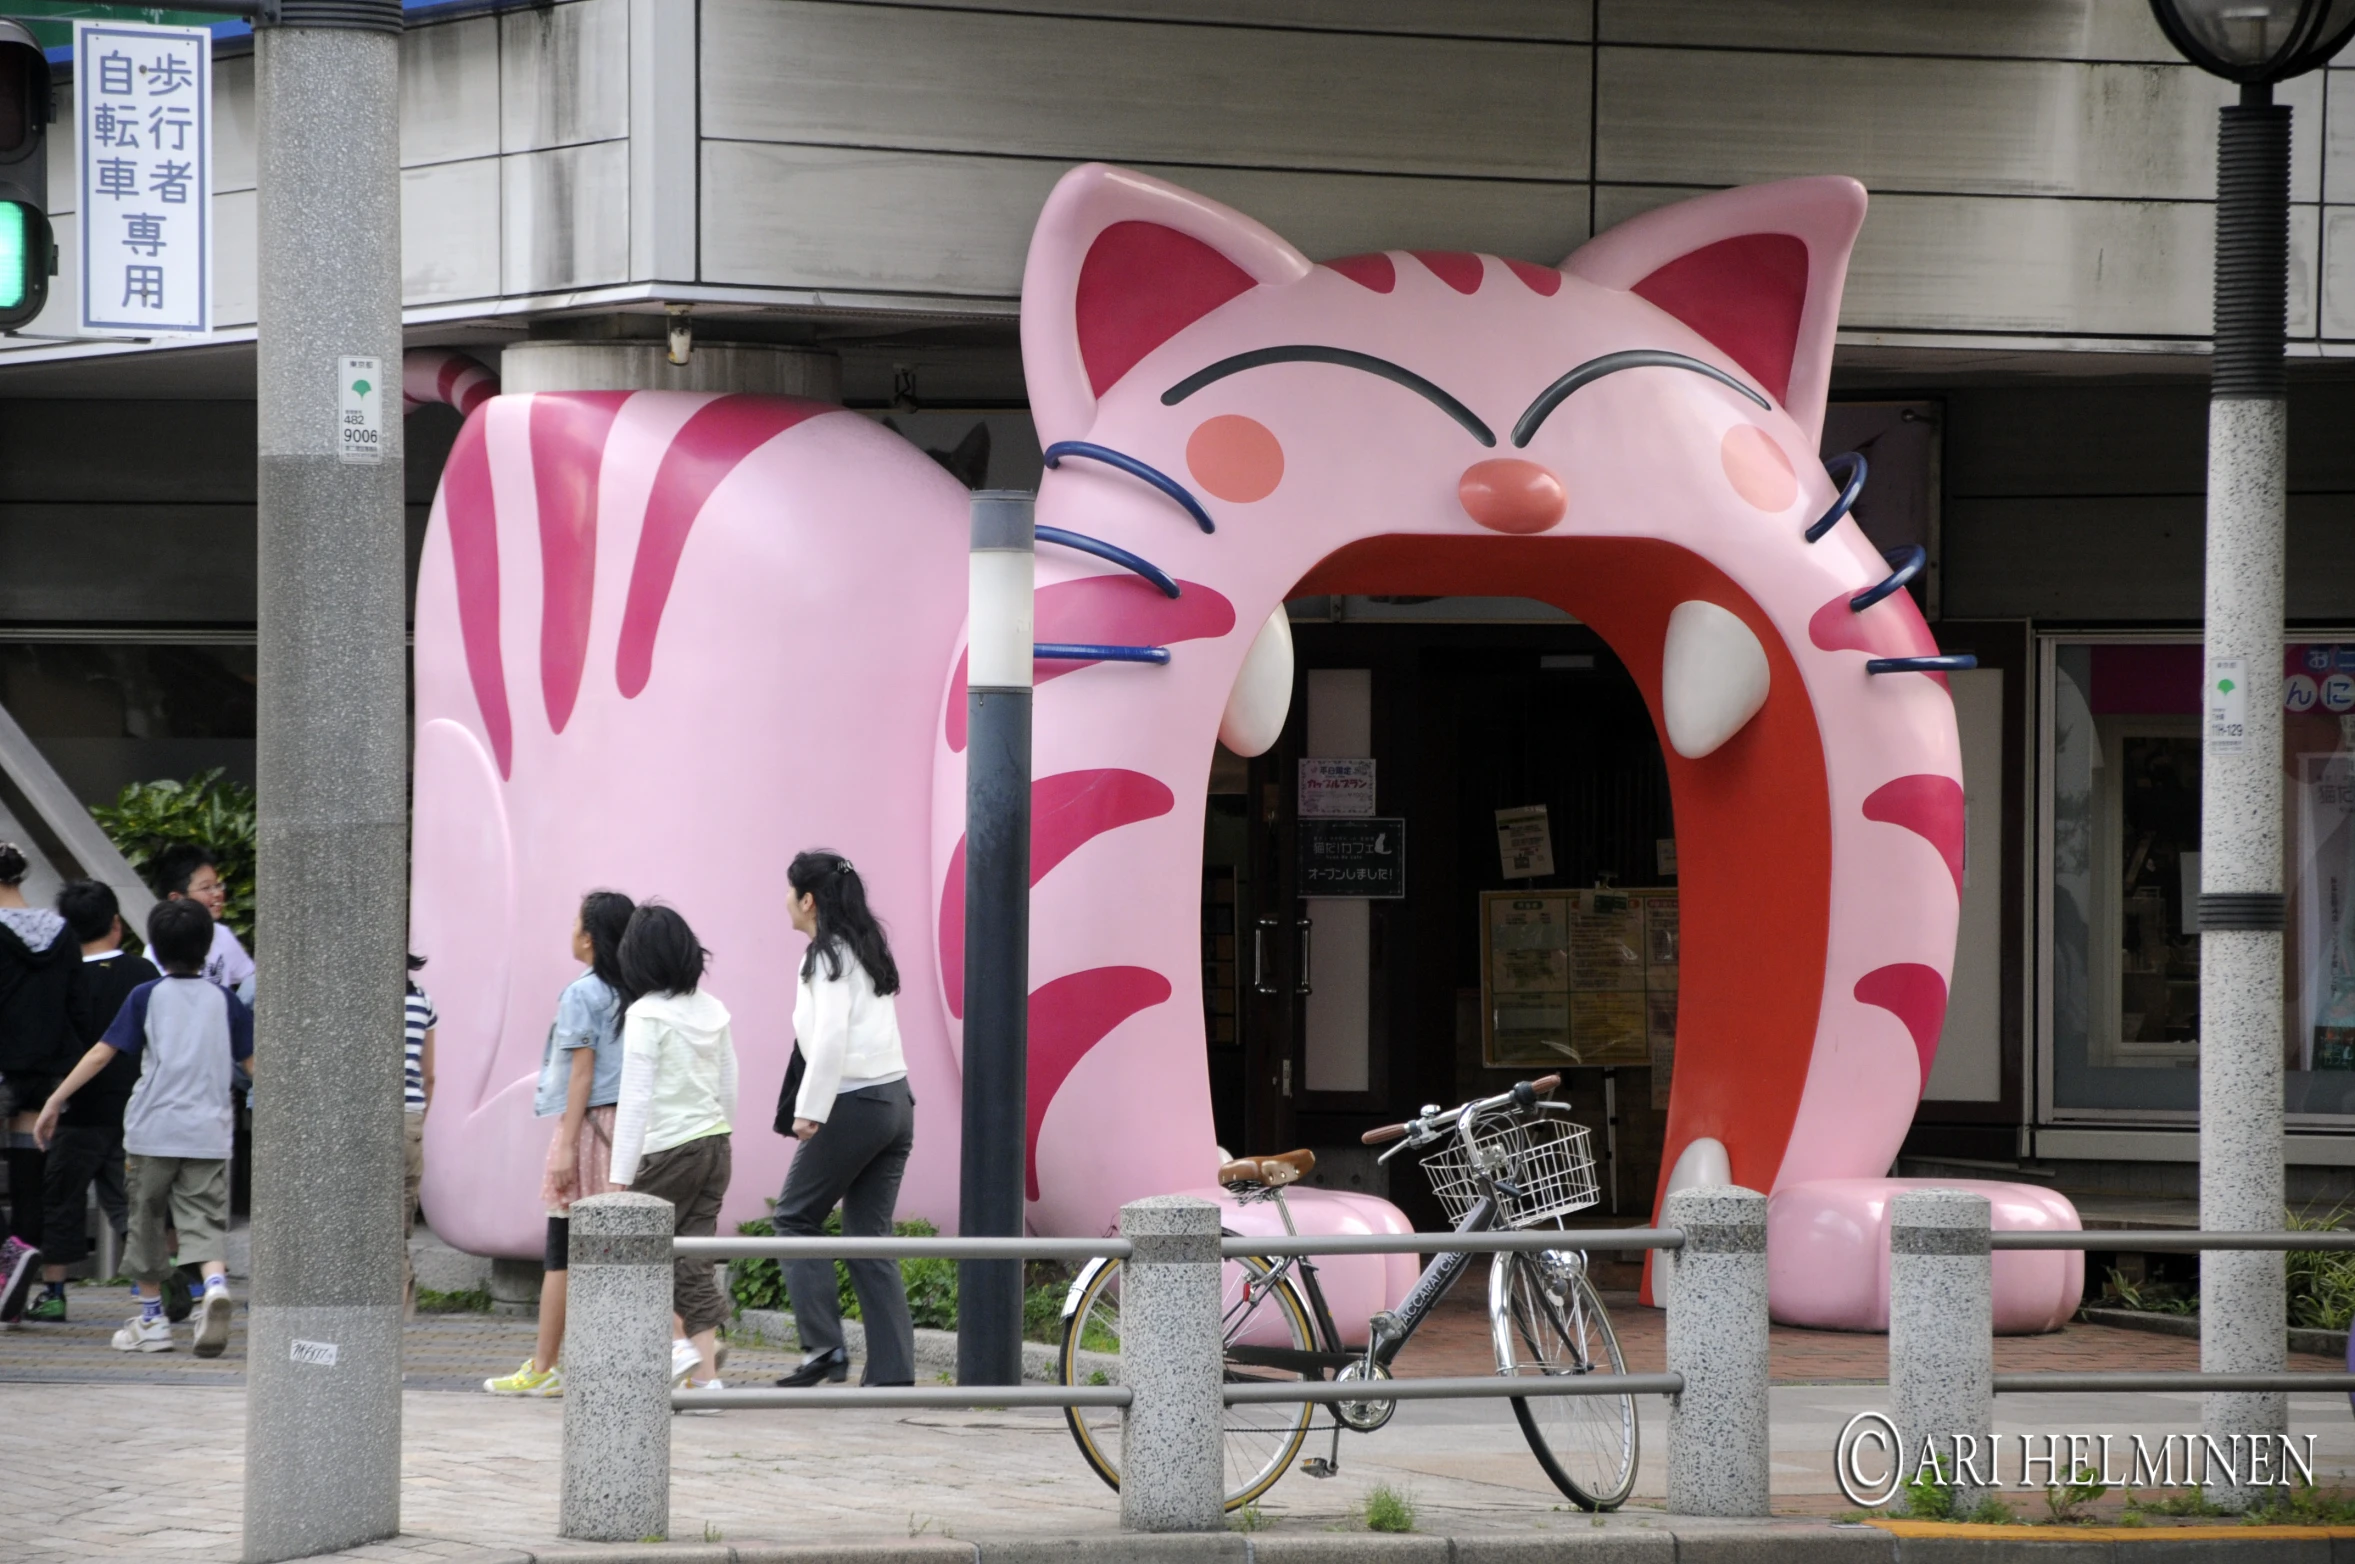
(1285, 1167)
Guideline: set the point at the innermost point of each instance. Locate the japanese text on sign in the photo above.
(359, 424)
(143, 102)
(1352, 858)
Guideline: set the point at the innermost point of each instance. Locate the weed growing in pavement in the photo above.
(1929, 1497)
(1991, 1511)
(2067, 1500)
(1249, 1518)
(1386, 1509)
(2190, 1502)
(468, 1300)
(2305, 1505)
(711, 1532)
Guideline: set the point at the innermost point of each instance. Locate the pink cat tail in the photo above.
(1758, 271)
(1076, 341)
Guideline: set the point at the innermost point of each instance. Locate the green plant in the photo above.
(2067, 1499)
(467, 1300)
(1992, 1511)
(2151, 1297)
(1249, 1518)
(2190, 1502)
(1928, 1495)
(1386, 1509)
(2304, 1505)
(204, 811)
(711, 1532)
(931, 1283)
(2321, 1282)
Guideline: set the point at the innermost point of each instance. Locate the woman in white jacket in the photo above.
(678, 1103)
(855, 1120)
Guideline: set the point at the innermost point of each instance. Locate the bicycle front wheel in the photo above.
(1262, 1312)
(1547, 1320)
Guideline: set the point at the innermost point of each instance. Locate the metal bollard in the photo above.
(617, 1376)
(1942, 1337)
(1172, 1456)
(1717, 1427)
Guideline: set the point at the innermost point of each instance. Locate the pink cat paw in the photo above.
(1827, 1249)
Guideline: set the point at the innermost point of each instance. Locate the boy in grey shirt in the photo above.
(187, 1034)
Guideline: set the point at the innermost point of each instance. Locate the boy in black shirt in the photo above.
(89, 1140)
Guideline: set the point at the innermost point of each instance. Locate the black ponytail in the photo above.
(844, 921)
(605, 916)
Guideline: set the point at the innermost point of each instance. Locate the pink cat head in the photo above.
(1631, 437)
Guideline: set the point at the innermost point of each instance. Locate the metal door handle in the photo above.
(1304, 925)
(1259, 928)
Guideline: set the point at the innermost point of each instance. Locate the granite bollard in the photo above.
(1717, 1436)
(617, 1377)
(1942, 1338)
(1172, 1457)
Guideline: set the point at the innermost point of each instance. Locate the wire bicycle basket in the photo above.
(1544, 1169)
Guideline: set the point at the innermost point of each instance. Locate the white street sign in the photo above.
(143, 109)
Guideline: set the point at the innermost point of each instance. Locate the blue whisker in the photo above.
(1135, 469)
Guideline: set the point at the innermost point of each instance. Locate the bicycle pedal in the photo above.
(1318, 1466)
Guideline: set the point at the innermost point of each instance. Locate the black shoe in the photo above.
(832, 1367)
(887, 1384)
(181, 1291)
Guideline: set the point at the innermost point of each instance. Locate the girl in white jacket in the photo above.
(854, 1118)
(678, 1103)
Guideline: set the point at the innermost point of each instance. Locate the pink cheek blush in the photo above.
(1236, 458)
(1757, 468)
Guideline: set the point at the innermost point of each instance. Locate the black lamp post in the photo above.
(2255, 43)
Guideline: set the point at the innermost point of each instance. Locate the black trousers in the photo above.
(79, 1154)
(856, 1158)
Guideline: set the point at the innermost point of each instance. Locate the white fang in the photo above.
(1702, 1165)
(1262, 696)
(1713, 678)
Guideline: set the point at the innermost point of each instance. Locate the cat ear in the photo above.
(1756, 271)
(1121, 262)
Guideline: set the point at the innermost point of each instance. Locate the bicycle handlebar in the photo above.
(1425, 1127)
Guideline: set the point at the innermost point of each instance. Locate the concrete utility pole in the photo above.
(2243, 1311)
(323, 1407)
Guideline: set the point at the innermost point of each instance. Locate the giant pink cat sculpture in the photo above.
(664, 640)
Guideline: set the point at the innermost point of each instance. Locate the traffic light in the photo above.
(28, 251)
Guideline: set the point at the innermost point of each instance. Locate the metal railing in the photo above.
(618, 1395)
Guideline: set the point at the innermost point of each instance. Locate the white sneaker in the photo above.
(212, 1323)
(140, 1334)
(685, 1360)
(714, 1383)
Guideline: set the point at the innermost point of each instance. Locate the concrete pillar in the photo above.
(323, 1405)
(1717, 1434)
(617, 1372)
(1942, 1336)
(1172, 1359)
(2242, 1307)
(646, 366)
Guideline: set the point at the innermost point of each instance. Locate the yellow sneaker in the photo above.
(527, 1381)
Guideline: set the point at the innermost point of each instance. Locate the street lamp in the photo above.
(2242, 1309)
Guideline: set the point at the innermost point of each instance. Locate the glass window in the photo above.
(2123, 952)
(109, 713)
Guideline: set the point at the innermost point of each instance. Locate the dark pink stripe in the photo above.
(708, 448)
(472, 517)
(1104, 610)
(568, 431)
(1069, 1017)
(1915, 995)
(1929, 806)
(1067, 811)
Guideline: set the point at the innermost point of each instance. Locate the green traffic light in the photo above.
(18, 226)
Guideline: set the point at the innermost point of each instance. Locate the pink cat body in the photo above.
(799, 681)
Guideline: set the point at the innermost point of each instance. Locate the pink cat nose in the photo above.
(1507, 494)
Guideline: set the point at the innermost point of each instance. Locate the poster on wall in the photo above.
(1525, 841)
(1352, 858)
(1579, 977)
(1336, 789)
(2325, 886)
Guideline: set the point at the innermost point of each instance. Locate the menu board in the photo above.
(1578, 978)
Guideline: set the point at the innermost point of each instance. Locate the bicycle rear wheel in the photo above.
(1546, 1319)
(1261, 1311)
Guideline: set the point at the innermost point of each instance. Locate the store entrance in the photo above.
(1457, 972)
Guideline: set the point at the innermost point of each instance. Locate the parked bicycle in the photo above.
(1512, 1160)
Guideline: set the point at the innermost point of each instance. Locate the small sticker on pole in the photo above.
(359, 433)
(2228, 705)
(318, 1354)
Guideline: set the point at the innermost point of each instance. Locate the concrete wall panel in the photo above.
(450, 229)
(450, 91)
(566, 217)
(564, 75)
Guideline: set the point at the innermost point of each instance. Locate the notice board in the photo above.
(1579, 978)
